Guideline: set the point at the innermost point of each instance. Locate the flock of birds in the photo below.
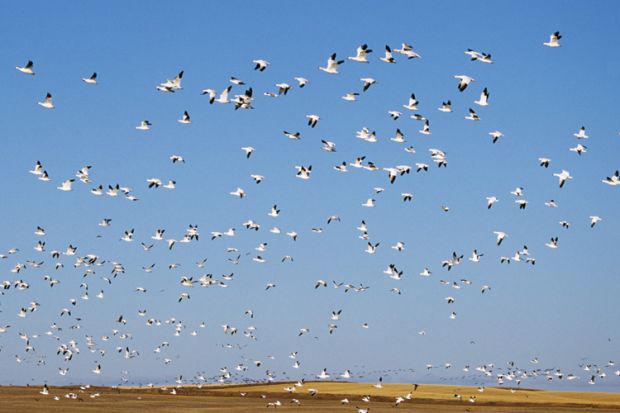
(70, 346)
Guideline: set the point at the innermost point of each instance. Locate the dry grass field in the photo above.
(427, 398)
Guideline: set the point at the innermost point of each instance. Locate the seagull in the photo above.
(332, 65)
(484, 98)
(27, 68)
(261, 64)
(92, 80)
(563, 177)
(144, 125)
(581, 134)
(185, 119)
(47, 102)
(554, 40)
(464, 81)
(361, 54)
(388, 58)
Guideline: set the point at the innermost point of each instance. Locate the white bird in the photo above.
(361, 54)
(426, 129)
(612, 180)
(407, 50)
(47, 102)
(464, 81)
(144, 125)
(412, 104)
(248, 151)
(553, 243)
(445, 107)
(472, 115)
(368, 82)
(579, 149)
(328, 146)
(91, 80)
(332, 65)
(301, 81)
(238, 192)
(388, 58)
(323, 375)
(495, 135)
(351, 96)
(171, 85)
(185, 119)
(500, 236)
(66, 185)
(484, 98)
(312, 120)
(563, 177)
(581, 134)
(369, 203)
(544, 162)
(28, 68)
(594, 219)
(261, 64)
(554, 40)
(303, 172)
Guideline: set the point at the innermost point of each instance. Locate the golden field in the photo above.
(229, 398)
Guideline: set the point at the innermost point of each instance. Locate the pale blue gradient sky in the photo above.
(563, 310)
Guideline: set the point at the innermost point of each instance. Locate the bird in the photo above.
(368, 82)
(91, 80)
(464, 81)
(579, 149)
(332, 65)
(563, 177)
(47, 102)
(445, 107)
(500, 236)
(484, 98)
(495, 135)
(248, 151)
(313, 120)
(581, 134)
(594, 219)
(361, 55)
(612, 180)
(472, 115)
(28, 68)
(554, 40)
(544, 162)
(144, 125)
(66, 186)
(388, 58)
(261, 64)
(301, 82)
(185, 119)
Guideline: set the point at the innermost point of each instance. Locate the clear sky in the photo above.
(562, 311)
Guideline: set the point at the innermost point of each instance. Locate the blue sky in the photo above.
(562, 310)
